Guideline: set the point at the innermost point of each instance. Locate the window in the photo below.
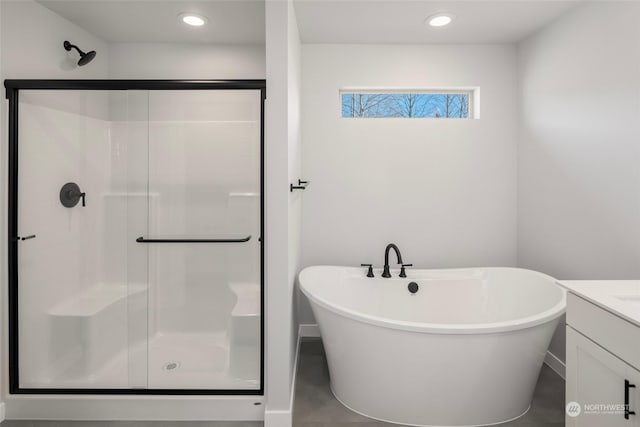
(446, 104)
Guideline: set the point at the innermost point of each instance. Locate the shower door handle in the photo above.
(239, 240)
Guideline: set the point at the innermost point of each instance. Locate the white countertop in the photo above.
(620, 297)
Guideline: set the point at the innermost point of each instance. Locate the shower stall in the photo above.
(135, 237)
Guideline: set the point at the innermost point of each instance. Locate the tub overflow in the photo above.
(413, 287)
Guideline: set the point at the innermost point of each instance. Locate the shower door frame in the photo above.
(13, 88)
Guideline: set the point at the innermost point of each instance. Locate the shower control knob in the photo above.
(70, 195)
(413, 287)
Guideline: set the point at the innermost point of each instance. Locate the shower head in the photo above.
(85, 58)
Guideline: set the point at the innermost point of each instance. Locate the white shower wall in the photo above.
(201, 168)
(66, 138)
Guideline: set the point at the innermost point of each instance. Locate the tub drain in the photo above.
(170, 366)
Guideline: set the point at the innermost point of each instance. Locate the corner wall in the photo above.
(283, 209)
(579, 150)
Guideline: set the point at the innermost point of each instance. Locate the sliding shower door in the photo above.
(81, 281)
(135, 224)
(204, 239)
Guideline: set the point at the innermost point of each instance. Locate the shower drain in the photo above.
(170, 366)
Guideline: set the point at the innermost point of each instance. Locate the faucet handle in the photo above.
(370, 272)
(403, 273)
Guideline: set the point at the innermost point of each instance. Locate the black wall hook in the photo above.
(302, 185)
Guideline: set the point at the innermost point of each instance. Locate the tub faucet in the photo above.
(386, 272)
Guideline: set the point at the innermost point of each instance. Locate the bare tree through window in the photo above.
(407, 105)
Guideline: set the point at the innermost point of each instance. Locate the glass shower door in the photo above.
(139, 256)
(204, 239)
(82, 290)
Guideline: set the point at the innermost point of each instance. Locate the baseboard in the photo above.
(134, 408)
(278, 418)
(284, 418)
(295, 373)
(309, 330)
(557, 365)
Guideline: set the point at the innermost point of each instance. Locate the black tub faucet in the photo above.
(403, 273)
(385, 272)
(370, 270)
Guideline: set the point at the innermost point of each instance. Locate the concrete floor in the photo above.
(315, 405)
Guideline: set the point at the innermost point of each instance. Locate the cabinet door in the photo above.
(596, 381)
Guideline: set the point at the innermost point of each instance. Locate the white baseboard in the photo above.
(310, 330)
(278, 418)
(295, 374)
(284, 418)
(558, 366)
(134, 408)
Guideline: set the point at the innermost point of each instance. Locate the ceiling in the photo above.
(319, 21)
(402, 21)
(156, 21)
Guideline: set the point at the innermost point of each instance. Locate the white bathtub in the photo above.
(465, 350)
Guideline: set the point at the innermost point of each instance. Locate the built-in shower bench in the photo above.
(91, 328)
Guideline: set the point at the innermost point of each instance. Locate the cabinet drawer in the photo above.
(618, 336)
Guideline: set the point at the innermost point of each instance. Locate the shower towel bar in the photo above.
(241, 240)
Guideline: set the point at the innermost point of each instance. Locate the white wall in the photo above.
(295, 167)
(443, 190)
(579, 180)
(578, 173)
(32, 38)
(186, 61)
(283, 208)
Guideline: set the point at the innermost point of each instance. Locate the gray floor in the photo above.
(315, 405)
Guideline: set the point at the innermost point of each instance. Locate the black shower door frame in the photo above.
(13, 88)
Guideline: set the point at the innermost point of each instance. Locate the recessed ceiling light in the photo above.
(440, 19)
(193, 19)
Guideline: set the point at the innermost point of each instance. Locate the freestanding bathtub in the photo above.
(464, 350)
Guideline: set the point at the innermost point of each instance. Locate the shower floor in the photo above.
(169, 360)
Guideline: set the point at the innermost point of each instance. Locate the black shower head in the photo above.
(85, 58)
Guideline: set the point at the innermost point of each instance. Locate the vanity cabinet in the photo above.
(603, 351)
(597, 377)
